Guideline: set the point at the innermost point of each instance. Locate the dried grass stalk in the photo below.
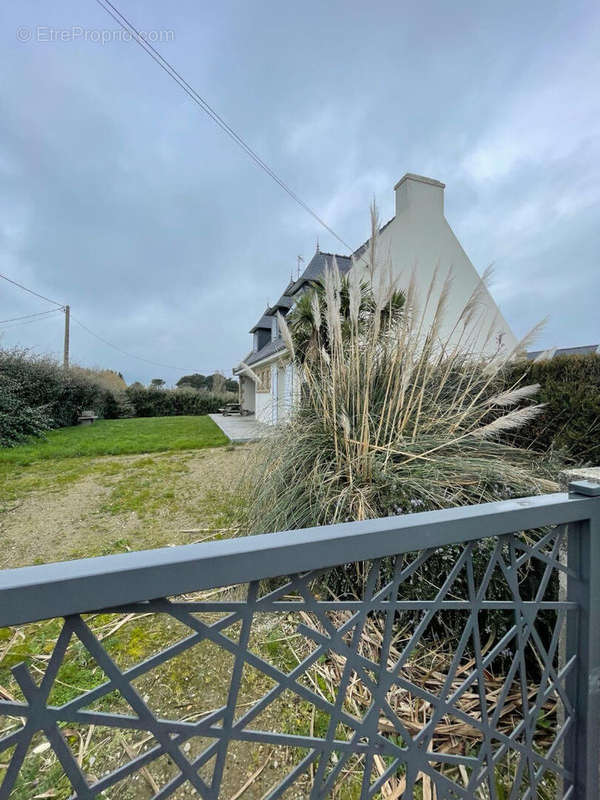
(397, 411)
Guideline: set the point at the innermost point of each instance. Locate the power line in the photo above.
(29, 316)
(26, 322)
(131, 355)
(26, 319)
(41, 296)
(204, 105)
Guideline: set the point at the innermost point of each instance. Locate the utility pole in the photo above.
(66, 350)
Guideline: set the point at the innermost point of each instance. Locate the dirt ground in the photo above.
(73, 508)
(79, 507)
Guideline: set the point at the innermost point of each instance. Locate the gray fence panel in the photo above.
(582, 751)
(52, 590)
(526, 537)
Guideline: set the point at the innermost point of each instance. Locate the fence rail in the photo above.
(517, 583)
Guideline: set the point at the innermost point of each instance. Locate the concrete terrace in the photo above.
(240, 429)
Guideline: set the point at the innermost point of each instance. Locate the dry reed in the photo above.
(395, 412)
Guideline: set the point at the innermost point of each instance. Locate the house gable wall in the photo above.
(419, 238)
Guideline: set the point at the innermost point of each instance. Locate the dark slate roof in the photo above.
(269, 349)
(313, 272)
(316, 267)
(583, 350)
(284, 303)
(264, 321)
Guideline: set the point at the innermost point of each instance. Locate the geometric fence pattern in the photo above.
(344, 676)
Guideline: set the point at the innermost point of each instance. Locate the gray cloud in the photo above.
(119, 196)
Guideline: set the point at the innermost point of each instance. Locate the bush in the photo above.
(19, 421)
(570, 387)
(36, 394)
(392, 418)
(172, 402)
(40, 382)
(397, 412)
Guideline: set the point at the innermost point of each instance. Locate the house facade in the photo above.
(416, 241)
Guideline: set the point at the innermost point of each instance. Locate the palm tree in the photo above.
(307, 322)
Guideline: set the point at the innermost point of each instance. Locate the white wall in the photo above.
(263, 402)
(282, 391)
(272, 407)
(419, 237)
(247, 393)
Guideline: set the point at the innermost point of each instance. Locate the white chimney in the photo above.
(419, 195)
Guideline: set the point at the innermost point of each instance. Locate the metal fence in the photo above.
(510, 709)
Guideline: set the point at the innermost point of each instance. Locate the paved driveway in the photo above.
(241, 429)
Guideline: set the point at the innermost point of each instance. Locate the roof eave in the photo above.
(239, 370)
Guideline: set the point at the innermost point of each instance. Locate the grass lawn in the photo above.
(119, 437)
(106, 488)
(71, 497)
(117, 485)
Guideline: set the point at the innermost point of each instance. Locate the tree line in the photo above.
(210, 383)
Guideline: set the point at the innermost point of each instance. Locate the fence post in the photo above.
(582, 745)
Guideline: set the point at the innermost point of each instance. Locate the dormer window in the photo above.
(255, 341)
(274, 329)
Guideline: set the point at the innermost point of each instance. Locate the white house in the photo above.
(415, 241)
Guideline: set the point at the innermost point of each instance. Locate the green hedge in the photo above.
(570, 387)
(18, 420)
(172, 402)
(41, 383)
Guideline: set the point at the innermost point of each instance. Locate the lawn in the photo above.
(72, 505)
(119, 437)
(117, 485)
(103, 489)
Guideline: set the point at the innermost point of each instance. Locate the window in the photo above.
(274, 328)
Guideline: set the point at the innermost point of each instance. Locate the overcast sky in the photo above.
(120, 197)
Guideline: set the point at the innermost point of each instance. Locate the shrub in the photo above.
(570, 387)
(106, 378)
(42, 382)
(19, 421)
(395, 415)
(171, 402)
(37, 394)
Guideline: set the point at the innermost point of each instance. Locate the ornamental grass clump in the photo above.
(398, 408)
